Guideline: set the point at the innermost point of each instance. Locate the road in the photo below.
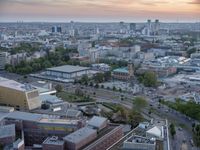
(104, 95)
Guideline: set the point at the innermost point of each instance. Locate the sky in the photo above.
(99, 10)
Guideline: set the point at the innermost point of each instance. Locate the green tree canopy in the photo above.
(149, 79)
(139, 103)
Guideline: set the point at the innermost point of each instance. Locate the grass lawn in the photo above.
(71, 97)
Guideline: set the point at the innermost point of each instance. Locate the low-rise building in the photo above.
(139, 143)
(121, 73)
(37, 127)
(19, 145)
(113, 134)
(97, 123)
(67, 71)
(7, 134)
(53, 143)
(101, 67)
(80, 138)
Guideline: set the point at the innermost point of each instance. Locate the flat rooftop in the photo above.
(58, 121)
(53, 141)
(79, 135)
(15, 85)
(141, 140)
(68, 69)
(3, 115)
(18, 115)
(96, 121)
(7, 131)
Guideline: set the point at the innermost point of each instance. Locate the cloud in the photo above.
(98, 8)
(194, 2)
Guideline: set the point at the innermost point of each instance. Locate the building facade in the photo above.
(19, 96)
(3, 60)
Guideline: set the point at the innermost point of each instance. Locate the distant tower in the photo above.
(157, 27)
(149, 27)
(130, 69)
(56, 29)
(97, 31)
(132, 26)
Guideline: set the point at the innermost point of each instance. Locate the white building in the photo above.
(139, 143)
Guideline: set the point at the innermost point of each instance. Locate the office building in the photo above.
(37, 127)
(17, 95)
(132, 26)
(156, 27)
(56, 29)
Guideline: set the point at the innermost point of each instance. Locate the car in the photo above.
(180, 129)
(191, 142)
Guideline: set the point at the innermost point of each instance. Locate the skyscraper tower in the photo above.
(156, 27)
(149, 27)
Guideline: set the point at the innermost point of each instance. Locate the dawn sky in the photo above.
(99, 10)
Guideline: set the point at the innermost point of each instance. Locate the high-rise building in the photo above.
(156, 27)
(132, 26)
(152, 28)
(56, 29)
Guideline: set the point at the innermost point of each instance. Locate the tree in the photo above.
(91, 84)
(149, 79)
(45, 106)
(196, 134)
(114, 88)
(135, 118)
(172, 130)
(84, 80)
(191, 51)
(99, 77)
(79, 92)
(107, 76)
(139, 103)
(96, 85)
(59, 88)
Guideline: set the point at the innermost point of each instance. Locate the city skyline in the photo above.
(99, 10)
